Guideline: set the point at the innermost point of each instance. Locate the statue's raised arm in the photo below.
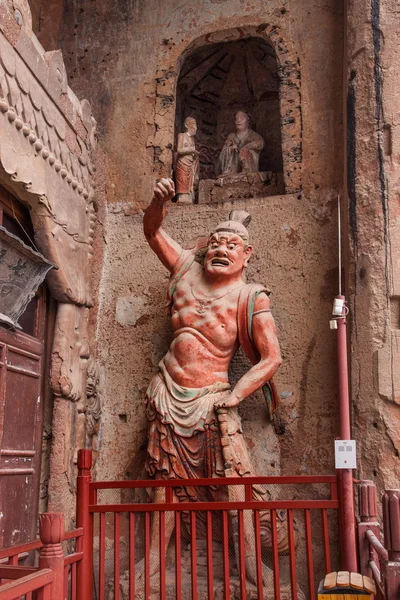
(167, 249)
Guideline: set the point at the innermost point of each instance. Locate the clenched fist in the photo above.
(164, 190)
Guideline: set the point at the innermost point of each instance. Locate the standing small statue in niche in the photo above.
(187, 162)
(195, 429)
(241, 151)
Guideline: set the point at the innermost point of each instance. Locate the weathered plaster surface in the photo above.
(374, 224)
(138, 338)
(123, 57)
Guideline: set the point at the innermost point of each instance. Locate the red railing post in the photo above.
(368, 510)
(51, 531)
(391, 524)
(83, 519)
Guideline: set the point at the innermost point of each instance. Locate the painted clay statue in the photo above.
(241, 151)
(195, 429)
(187, 162)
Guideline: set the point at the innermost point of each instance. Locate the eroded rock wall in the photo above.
(123, 56)
(374, 231)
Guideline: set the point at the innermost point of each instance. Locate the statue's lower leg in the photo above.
(249, 549)
(154, 558)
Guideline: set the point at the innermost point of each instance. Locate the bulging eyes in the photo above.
(215, 245)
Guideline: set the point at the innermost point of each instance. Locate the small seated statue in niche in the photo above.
(187, 162)
(241, 151)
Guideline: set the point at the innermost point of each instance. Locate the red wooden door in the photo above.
(22, 392)
(21, 432)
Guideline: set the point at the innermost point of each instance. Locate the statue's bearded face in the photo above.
(241, 121)
(227, 254)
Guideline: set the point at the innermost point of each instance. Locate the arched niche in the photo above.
(268, 82)
(215, 81)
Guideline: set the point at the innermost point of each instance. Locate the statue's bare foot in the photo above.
(140, 567)
(251, 573)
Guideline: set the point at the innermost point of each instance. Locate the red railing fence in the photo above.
(234, 547)
(54, 576)
(377, 560)
(24, 587)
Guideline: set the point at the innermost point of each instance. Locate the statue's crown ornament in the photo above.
(238, 220)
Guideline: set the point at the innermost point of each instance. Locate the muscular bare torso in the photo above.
(205, 331)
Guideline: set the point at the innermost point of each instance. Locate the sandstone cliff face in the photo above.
(125, 57)
(373, 266)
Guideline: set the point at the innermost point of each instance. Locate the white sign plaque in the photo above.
(345, 454)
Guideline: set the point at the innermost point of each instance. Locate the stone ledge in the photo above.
(240, 187)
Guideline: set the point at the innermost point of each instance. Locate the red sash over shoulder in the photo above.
(247, 298)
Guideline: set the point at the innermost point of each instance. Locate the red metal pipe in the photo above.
(343, 375)
(348, 521)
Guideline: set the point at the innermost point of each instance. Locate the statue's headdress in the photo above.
(238, 221)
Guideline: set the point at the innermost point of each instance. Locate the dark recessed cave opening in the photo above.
(219, 79)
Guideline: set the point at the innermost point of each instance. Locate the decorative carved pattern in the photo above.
(47, 139)
(27, 106)
(70, 352)
(51, 527)
(93, 403)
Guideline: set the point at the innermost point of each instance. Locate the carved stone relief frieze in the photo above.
(48, 138)
(93, 404)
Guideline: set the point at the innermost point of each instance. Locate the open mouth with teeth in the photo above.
(220, 262)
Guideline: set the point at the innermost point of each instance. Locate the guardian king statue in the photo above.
(195, 429)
